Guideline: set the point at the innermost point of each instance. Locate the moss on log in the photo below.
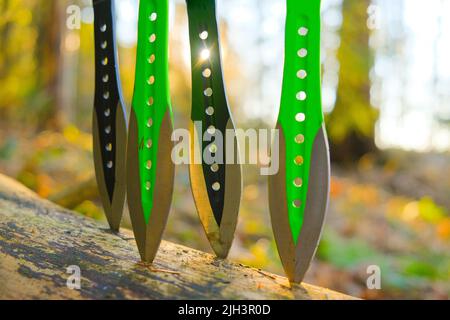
(39, 240)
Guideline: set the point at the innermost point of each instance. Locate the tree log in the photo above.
(40, 240)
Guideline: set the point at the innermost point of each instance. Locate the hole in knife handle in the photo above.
(151, 59)
(151, 80)
(296, 203)
(205, 54)
(216, 186)
(148, 164)
(206, 73)
(152, 38)
(106, 95)
(214, 167)
(302, 52)
(299, 138)
(109, 164)
(108, 147)
(211, 130)
(208, 92)
(105, 61)
(153, 16)
(301, 96)
(300, 117)
(149, 143)
(203, 35)
(302, 31)
(301, 74)
(103, 27)
(298, 182)
(108, 129)
(212, 148)
(298, 160)
(105, 78)
(104, 44)
(209, 111)
(148, 185)
(149, 122)
(150, 101)
(107, 112)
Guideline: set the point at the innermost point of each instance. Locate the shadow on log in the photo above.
(39, 240)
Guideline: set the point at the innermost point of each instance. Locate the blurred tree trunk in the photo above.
(351, 124)
(48, 52)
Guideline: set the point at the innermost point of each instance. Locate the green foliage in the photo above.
(353, 117)
(430, 211)
(346, 253)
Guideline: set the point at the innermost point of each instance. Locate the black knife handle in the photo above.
(107, 100)
(209, 101)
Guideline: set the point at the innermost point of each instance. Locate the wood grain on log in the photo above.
(39, 240)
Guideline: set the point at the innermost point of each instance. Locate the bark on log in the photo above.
(39, 240)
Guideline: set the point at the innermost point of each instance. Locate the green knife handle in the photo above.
(151, 100)
(300, 114)
(150, 168)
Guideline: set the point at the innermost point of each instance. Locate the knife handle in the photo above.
(209, 102)
(151, 98)
(150, 167)
(109, 118)
(300, 114)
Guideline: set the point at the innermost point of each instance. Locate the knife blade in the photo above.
(216, 179)
(109, 116)
(150, 168)
(298, 193)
